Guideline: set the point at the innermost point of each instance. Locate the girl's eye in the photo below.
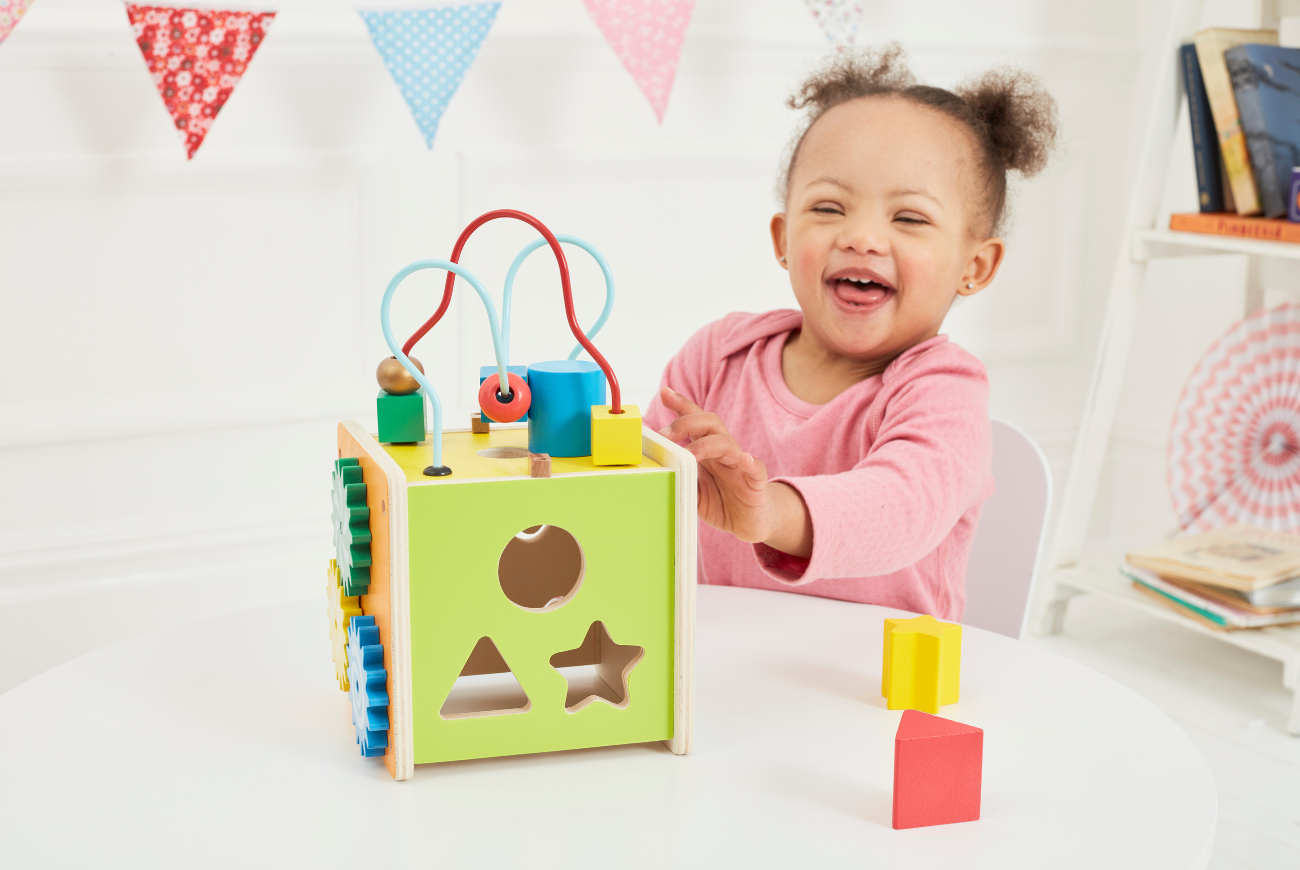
(827, 209)
(911, 219)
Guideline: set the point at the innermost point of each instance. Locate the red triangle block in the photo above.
(196, 57)
(938, 771)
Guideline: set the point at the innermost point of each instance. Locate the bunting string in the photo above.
(196, 57)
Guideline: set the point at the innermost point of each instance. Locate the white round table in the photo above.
(227, 743)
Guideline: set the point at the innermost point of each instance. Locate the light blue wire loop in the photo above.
(507, 294)
(430, 394)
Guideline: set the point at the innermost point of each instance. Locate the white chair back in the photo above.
(1004, 555)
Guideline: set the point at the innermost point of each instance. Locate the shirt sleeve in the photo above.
(931, 459)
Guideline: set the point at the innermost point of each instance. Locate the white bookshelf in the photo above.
(1151, 244)
(1146, 238)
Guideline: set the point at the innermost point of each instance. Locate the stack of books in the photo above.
(1243, 99)
(1236, 577)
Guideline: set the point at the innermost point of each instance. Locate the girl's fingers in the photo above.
(675, 401)
(694, 425)
(721, 448)
(755, 471)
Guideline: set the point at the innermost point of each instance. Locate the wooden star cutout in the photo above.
(597, 670)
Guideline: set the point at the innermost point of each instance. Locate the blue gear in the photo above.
(367, 686)
(351, 526)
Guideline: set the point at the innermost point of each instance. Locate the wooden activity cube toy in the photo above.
(581, 585)
(489, 596)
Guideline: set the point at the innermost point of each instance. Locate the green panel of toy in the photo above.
(624, 524)
(401, 418)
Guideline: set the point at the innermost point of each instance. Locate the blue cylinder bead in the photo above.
(559, 419)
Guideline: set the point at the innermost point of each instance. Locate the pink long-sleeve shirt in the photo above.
(894, 470)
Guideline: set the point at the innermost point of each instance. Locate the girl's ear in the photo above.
(778, 238)
(983, 266)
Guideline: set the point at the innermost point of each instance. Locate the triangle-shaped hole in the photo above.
(486, 686)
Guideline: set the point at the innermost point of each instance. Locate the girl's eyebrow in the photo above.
(829, 179)
(916, 192)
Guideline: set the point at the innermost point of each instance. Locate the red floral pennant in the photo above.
(196, 57)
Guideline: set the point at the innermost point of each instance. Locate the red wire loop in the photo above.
(616, 406)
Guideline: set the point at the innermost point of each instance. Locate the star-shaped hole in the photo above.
(597, 670)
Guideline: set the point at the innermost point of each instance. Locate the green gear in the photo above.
(351, 527)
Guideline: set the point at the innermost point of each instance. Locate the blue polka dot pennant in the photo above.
(427, 51)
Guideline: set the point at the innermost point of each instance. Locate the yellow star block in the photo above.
(340, 609)
(615, 438)
(922, 667)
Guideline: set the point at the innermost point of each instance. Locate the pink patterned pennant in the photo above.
(11, 12)
(196, 57)
(838, 18)
(647, 36)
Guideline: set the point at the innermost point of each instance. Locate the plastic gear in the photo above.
(340, 609)
(351, 527)
(368, 690)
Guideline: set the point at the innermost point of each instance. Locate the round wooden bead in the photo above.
(395, 379)
(504, 409)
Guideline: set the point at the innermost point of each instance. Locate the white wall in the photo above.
(178, 338)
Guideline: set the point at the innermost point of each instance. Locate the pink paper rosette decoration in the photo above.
(1234, 447)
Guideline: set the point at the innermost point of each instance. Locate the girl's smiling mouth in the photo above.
(859, 290)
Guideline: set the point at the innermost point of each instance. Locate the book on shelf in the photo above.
(1266, 83)
(1205, 142)
(1207, 611)
(1239, 556)
(1270, 599)
(1264, 229)
(1211, 45)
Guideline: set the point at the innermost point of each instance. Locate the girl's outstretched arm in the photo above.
(735, 495)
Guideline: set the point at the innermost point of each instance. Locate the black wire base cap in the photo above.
(437, 471)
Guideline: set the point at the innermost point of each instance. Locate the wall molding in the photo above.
(87, 413)
(64, 561)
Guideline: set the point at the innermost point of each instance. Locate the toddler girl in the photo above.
(844, 449)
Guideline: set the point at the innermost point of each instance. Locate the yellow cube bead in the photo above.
(615, 438)
(922, 665)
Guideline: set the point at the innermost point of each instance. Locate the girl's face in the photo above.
(880, 231)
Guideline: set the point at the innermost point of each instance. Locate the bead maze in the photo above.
(523, 585)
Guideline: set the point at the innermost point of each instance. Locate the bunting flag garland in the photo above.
(427, 51)
(196, 57)
(11, 12)
(647, 36)
(838, 19)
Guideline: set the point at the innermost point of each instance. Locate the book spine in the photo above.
(1199, 611)
(1205, 144)
(1223, 106)
(1250, 112)
(1266, 229)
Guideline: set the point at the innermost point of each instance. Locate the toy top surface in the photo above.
(462, 451)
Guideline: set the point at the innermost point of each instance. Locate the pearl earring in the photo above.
(783, 259)
(970, 286)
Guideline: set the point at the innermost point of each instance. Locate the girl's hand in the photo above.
(734, 493)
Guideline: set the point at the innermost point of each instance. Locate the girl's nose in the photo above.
(863, 237)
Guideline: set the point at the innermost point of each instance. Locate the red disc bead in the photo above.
(504, 409)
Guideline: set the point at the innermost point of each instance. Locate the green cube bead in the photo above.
(401, 418)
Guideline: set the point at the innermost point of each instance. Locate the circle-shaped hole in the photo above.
(541, 568)
(503, 452)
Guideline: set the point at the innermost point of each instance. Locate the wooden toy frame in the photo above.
(389, 596)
